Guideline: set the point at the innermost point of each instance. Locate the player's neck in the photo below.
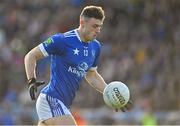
(81, 35)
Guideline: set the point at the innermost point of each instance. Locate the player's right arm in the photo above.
(30, 61)
(52, 46)
(30, 67)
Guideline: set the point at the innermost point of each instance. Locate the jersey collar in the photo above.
(77, 34)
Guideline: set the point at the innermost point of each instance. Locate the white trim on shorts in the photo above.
(49, 107)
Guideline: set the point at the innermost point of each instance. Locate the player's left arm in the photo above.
(95, 80)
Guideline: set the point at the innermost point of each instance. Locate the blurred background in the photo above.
(140, 47)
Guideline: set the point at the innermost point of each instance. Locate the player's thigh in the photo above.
(61, 120)
(52, 111)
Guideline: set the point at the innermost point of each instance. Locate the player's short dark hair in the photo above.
(93, 12)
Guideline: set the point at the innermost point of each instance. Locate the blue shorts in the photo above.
(49, 107)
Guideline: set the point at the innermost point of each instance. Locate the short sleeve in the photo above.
(54, 45)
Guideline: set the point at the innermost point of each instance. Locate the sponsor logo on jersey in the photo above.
(83, 66)
(48, 41)
(80, 70)
(93, 53)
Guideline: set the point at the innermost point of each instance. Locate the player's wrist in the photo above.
(31, 80)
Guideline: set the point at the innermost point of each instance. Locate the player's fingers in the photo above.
(39, 83)
(123, 109)
(32, 92)
(130, 102)
(128, 106)
(35, 89)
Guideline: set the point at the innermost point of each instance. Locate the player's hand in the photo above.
(33, 84)
(127, 107)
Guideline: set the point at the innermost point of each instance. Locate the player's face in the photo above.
(92, 28)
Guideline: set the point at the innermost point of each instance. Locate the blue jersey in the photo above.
(70, 60)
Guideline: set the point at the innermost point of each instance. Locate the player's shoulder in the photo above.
(57, 36)
(96, 42)
(69, 34)
(65, 34)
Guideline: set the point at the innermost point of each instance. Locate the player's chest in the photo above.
(77, 54)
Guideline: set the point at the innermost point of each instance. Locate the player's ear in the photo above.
(82, 21)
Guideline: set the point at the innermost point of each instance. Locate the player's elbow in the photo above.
(34, 55)
(90, 76)
(29, 57)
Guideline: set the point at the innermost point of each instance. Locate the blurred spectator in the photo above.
(148, 117)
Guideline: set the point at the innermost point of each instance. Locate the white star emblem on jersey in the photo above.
(76, 51)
